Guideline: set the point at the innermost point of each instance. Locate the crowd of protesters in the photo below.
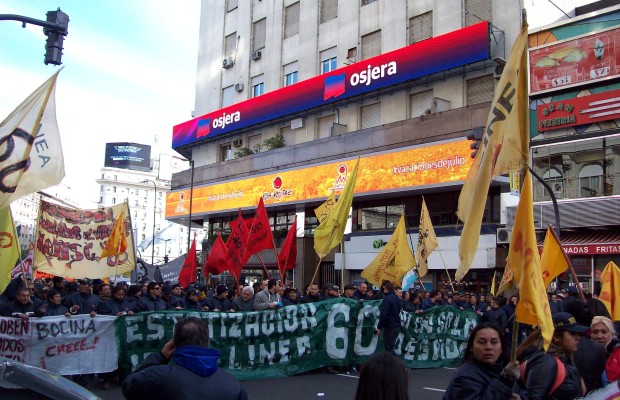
(585, 341)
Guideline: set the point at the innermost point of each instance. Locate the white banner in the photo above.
(65, 345)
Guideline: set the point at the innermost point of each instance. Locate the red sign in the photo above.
(574, 62)
(587, 249)
(579, 111)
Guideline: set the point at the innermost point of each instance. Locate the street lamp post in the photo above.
(154, 214)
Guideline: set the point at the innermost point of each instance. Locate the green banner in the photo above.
(294, 339)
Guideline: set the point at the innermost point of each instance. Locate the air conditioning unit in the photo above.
(503, 235)
(256, 55)
(239, 87)
(237, 143)
(227, 63)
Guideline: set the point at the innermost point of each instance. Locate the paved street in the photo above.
(424, 384)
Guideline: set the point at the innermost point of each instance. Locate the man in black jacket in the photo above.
(193, 374)
(389, 319)
(152, 301)
(22, 307)
(84, 301)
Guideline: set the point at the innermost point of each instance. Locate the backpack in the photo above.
(612, 367)
(559, 376)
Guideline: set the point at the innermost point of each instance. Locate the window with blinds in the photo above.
(228, 96)
(325, 126)
(291, 20)
(290, 74)
(421, 103)
(258, 85)
(329, 60)
(371, 115)
(480, 90)
(258, 34)
(421, 27)
(329, 10)
(230, 44)
(477, 11)
(371, 45)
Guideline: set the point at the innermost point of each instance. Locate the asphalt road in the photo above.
(424, 384)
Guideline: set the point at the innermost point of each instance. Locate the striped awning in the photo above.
(590, 242)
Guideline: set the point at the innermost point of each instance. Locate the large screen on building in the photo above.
(128, 156)
(453, 49)
(387, 172)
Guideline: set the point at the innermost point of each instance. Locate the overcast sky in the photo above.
(129, 75)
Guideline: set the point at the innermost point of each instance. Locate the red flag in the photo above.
(235, 245)
(260, 236)
(218, 260)
(188, 272)
(288, 253)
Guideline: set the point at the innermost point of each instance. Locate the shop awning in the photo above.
(590, 242)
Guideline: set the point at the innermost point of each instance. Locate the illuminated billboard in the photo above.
(454, 49)
(396, 170)
(128, 156)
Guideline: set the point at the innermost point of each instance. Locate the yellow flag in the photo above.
(610, 292)
(329, 232)
(493, 283)
(507, 281)
(427, 240)
(552, 260)
(9, 247)
(533, 307)
(393, 261)
(504, 148)
(324, 209)
(117, 242)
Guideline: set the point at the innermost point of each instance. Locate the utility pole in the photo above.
(55, 28)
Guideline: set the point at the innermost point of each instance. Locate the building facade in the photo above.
(290, 93)
(575, 128)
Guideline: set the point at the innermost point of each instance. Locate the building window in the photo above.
(291, 20)
(366, 2)
(421, 27)
(113, 189)
(258, 34)
(231, 5)
(480, 90)
(290, 74)
(421, 103)
(228, 96)
(258, 85)
(226, 152)
(371, 116)
(113, 200)
(591, 180)
(553, 177)
(230, 44)
(379, 217)
(478, 11)
(328, 10)
(371, 45)
(329, 60)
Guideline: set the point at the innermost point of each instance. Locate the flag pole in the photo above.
(448, 273)
(264, 267)
(331, 234)
(570, 267)
(415, 267)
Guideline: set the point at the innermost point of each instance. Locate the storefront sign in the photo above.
(585, 249)
(453, 49)
(294, 339)
(390, 171)
(573, 62)
(579, 111)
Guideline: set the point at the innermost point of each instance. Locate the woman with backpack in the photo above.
(551, 374)
(482, 375)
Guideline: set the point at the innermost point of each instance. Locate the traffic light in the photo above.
(55, 36)
(166, 259)
(475, 135)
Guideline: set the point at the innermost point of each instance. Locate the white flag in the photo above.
(30, 150)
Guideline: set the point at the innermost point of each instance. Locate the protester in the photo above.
(152, 301)
(52, 307)
(134, 292)
(432, 300)
(290, 297)
(602, 330)
(84, 301)
(414, 305)
(268, 298)
(383, 377)
(482, 376)
(543, 369)
(245, 301)
(312, 296)
(189, 302)
(192, 374)
(117, 305)
(496, 315)
(22, 307)
(330, 291)
(361, 293)
(389, 318)
(349, 290)
(220, 301)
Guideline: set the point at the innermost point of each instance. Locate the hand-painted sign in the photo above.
(579, 111)
(453, 49)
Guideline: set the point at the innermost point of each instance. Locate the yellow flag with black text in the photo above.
(533, 306)
(9, 247)
(326, 207)
(427, 240)
(393, 261)
(329, 232)
(504, 148)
